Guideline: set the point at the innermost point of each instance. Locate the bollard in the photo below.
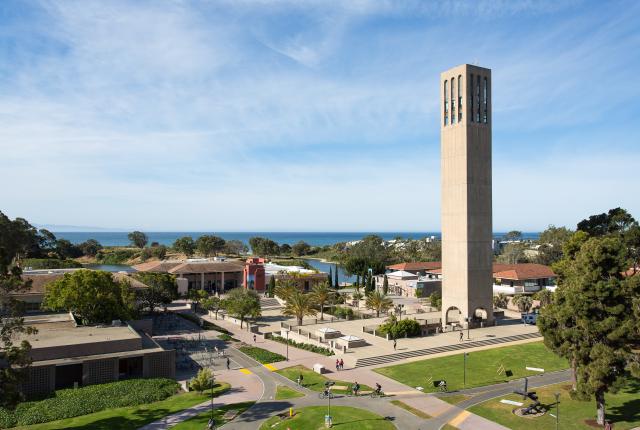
(290, 412)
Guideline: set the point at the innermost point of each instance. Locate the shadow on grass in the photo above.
(628, 411)
(126, 422)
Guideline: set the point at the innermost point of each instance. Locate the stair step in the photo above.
(370, 361)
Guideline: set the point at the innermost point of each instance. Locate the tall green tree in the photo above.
(90, 247)
(513, 253)
(378, 302)
(385, 285)
(591, 320)
(162, 289)
(15, 238)
(300, 305)
(263, 246)
(197, 296)
(271, 288)
(208, 245)
(322, 295)
(185, 245)
(330, 276)
(336, 281)
(551, 243)
(138, 239)
(235, 247)
(212, 304)
(241, 303)
(369, 253)
(93, 296)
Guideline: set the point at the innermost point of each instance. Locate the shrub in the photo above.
(202, 381)
(397, 329)
(71, 402)
(262, 355)
(116, 256)
(50, 263)
(305, 346)
(342, 312)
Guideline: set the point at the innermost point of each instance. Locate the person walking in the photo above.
(254, 338)
(228, 363)
(337, 365)
(461, 336)
(395, 344)
(341, 364)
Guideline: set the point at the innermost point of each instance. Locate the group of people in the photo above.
(339, 364)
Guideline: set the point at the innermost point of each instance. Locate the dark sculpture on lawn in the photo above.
(534, 408)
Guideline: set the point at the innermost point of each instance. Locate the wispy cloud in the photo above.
(223, 113)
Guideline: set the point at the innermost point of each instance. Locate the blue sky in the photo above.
(247, 115)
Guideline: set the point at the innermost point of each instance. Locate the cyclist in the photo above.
(356, 388)
(378, 389)
(326, 392)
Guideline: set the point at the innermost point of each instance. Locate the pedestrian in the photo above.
(337, 365)
(341, 364)
(254, 338)
(228, 363)
(395, 344)
(461, 336)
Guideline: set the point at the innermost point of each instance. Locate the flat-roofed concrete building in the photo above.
(465, 124)
(65, 354)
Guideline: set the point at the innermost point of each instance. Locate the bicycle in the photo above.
(375, 394)
(323, 395)
(351, 392)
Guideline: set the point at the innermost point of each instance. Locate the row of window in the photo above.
(478, 103)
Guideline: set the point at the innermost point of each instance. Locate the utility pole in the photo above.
(287, 345)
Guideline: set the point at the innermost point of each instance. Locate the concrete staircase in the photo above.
(269, 303)
(382, 359)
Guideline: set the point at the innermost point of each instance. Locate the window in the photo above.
(484, 102)
(471, 97)
(453, 101)
(478, 98)
(459, 98)
(446, 103)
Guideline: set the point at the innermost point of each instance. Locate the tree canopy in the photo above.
(241, 303)
(186, 245)
(301, 248)
(263, 246)
(590, 320)
(93, 296)
(299, 305)
(162, 290)
(208, 245)
(138, 239)
(369, 253)
(236, 247)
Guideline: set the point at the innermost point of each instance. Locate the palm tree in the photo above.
(286, 288)
(322, 294)
(544, 296)
(500, 301)
(378, 302)
(299, 305)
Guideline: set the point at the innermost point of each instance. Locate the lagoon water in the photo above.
(312, 238)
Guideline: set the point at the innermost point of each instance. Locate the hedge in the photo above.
(341, 312)
(305, 346)
(397, 329)
(262, 355)
(69, 403)
(50, 263)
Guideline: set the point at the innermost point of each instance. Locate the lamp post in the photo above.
(211, 420)
(468, 328)
(557, 409)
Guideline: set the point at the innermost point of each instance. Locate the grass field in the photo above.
(482, 367)
(344, 418)
(314, 381)
(199, 422)
(130, 418)
(623, 409)
(454, 399)
(283, 393)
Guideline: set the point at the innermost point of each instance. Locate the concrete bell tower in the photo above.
(467, 256)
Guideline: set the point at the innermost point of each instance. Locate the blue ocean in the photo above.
(312, 238)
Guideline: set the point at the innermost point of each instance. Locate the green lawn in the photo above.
(314, 381)
(454, 399)
(130, 418)
(283, 393)
(344, 418)
(262, 355)
(199, 422)
(623, 409)
(482, 367)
